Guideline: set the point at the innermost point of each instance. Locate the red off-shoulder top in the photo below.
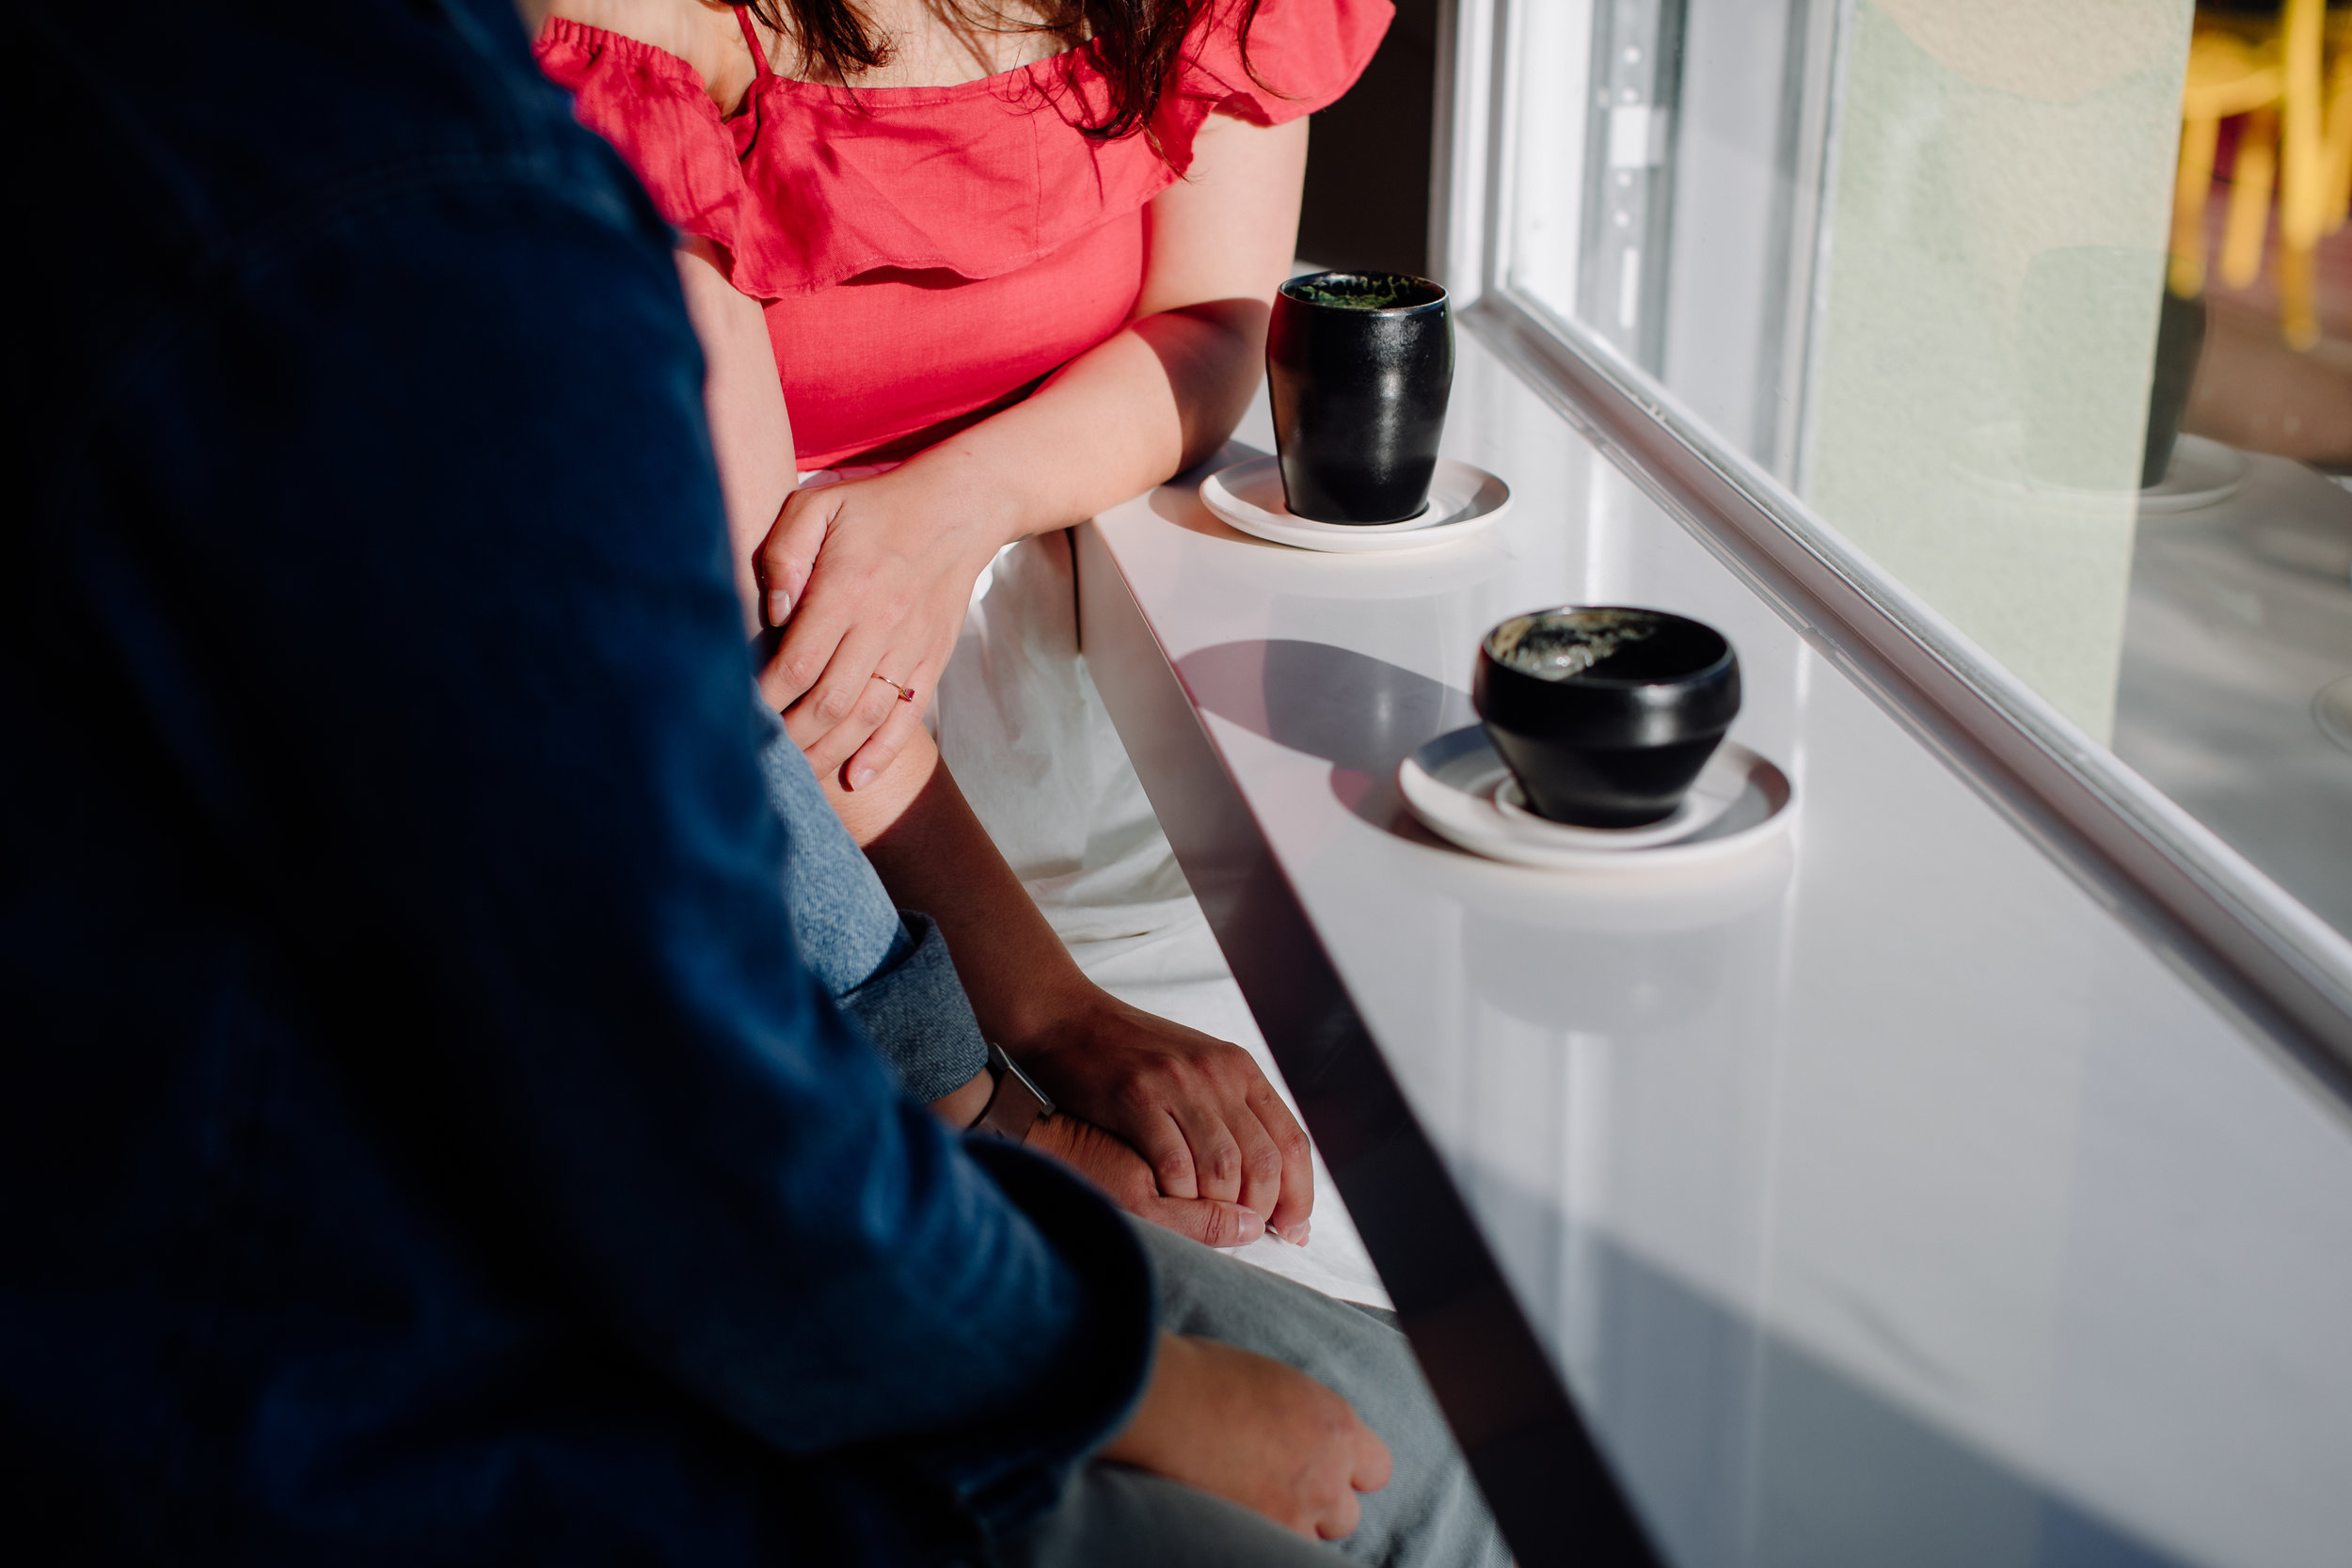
(927, 255)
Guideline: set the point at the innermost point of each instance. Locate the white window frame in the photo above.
(2252, 947)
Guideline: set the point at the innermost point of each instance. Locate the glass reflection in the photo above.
(1626, 1046)
(2046, 304)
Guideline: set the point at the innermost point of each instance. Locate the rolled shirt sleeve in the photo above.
(886, 968)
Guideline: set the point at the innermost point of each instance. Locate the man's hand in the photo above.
(1203, 1116)
(1126, 1180)
(1256, 1433)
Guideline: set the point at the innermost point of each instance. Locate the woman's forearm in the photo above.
(751, 432)
(1165, 392)
(1157, 397)
(933, 855)
(960, 1107)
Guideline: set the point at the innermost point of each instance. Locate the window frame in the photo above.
(2250, 946)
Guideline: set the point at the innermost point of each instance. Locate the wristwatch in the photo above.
(1018, 1104)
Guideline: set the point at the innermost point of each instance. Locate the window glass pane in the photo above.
(2046, 305)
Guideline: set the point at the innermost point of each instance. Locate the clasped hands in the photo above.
(1185, 1132)
(1174, 1126)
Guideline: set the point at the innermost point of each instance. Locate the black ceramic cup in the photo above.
(1604, 714)
(1359, 365)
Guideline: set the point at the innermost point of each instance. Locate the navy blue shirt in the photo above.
(418, 1140)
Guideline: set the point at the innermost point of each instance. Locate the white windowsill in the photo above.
(1899, 1111)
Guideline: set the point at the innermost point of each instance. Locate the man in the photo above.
(420, 1139)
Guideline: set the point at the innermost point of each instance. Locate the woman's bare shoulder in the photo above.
(703, 33)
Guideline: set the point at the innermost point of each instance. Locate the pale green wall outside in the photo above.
(1995, 251)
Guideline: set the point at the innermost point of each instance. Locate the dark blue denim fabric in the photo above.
(418, 1142)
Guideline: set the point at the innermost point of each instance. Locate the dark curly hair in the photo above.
(1137, 43)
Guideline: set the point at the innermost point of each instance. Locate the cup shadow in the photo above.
(1362, 715)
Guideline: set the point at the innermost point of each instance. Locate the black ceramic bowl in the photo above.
(1605, 714)
(1359, 366)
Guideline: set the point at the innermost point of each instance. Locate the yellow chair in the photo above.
(2291, 81)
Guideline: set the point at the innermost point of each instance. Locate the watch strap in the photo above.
(1018, 1104)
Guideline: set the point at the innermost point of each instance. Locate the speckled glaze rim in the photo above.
(1291, 285)
(1585, 677)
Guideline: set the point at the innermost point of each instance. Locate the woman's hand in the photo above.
(1113, 1167)
(1256, 1433)
(1126, 1180)
(870, 577)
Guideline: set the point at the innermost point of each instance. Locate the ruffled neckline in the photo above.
(1083, 54)
(810, 185)
(593, 40)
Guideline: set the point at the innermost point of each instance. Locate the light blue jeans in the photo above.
(886, 968)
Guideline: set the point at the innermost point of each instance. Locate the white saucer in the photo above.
(1462, 792)
(1463, 501)
(1695, 812)
(2203, 473)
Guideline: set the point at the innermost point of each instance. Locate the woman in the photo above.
(1010, 269)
